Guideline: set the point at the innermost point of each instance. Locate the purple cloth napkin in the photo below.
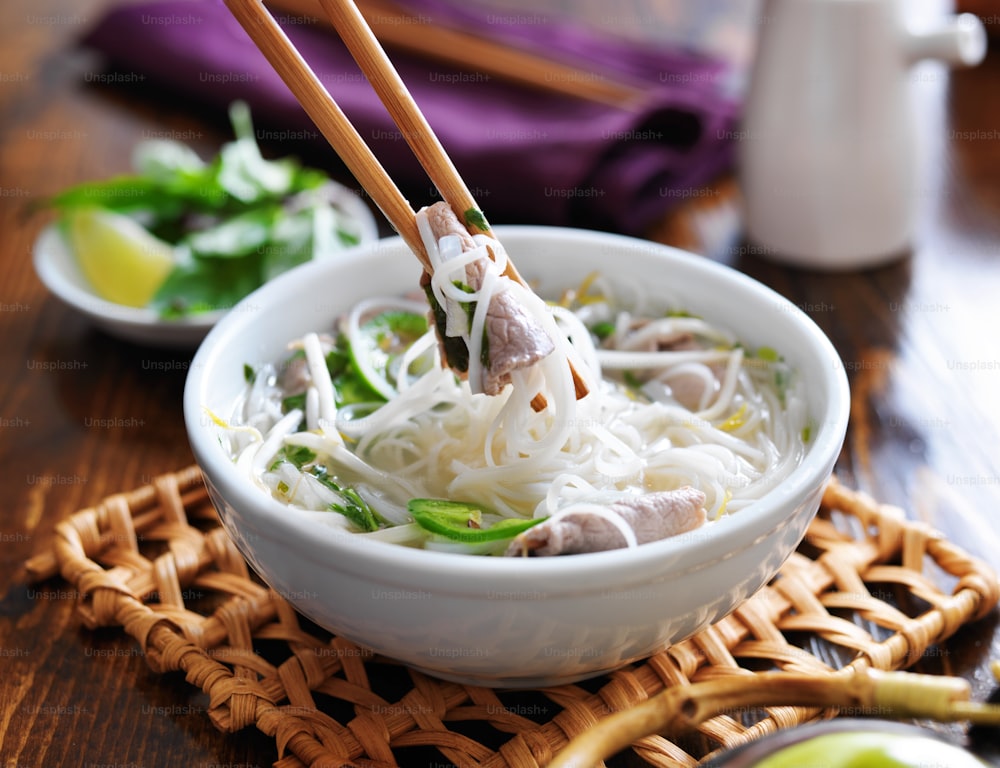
(527, 156)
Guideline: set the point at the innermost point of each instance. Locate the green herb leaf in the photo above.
(292, 241)
(353, 507)
(243, 172)
(266, 215)
(385, 337)
(470, 313)
(206, 285)
(632, 381)
(338, 359)
(602, 330)
(123, 194)
(293, 402)
(475, 218)
(297, 455)
(782, 381)
(237, 236)
(455, 352)
(163, 160)
(357, 511)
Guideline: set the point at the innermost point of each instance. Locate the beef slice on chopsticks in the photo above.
(650, 517)
(514, 347)
(514, 339)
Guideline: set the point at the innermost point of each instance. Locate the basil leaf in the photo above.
(123, 194)
(206, 285)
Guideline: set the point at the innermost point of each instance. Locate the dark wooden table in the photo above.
(920, 339)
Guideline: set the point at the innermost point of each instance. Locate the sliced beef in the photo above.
(651, 516)
(514, 339)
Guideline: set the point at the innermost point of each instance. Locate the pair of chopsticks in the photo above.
(366, 50)
(400, 30)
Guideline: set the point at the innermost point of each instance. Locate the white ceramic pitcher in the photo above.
(828, 155)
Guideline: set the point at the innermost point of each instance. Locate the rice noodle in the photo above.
(325, 408)
(436, 438)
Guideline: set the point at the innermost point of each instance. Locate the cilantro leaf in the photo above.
(352, 506)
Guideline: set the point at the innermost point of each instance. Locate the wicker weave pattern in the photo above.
(156, 563)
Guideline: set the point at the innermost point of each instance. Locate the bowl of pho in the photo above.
(626, 445)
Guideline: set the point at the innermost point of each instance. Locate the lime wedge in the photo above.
(121, 260)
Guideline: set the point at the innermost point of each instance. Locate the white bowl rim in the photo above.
(470, 573)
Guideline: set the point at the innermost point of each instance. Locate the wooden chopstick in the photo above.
(375, 65)
(479, 53)
(268, 36)
(396, 28)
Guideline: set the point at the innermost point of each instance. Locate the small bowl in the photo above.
(57, 268)
(513, 622)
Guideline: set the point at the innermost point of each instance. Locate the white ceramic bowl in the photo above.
(515, 622)
(58, 270)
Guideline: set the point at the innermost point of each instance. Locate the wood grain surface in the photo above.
(84, 415)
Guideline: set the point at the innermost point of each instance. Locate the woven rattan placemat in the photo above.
(866, 588)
